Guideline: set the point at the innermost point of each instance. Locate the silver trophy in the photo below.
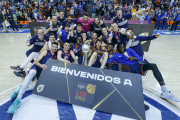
(76, 58)
(126, 54)
(85, 50)
(74, 25)
(111, 35)
(59, 31)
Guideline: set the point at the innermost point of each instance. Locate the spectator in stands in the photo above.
(76, 12)
(133, 11)
(102, 14)
(93, 12)
(158, 24)
(18, 14)
(125, 8)
(107, 16)
(9, 17)
(81, 12)
(176, 22)
(72, 11)
(2, 20)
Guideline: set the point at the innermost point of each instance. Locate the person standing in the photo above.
(11, 20)
(176, 22)
(2, 20)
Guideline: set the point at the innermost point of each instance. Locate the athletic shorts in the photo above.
(38, 71)
(113, 67)
(137, 68)
(97, 62)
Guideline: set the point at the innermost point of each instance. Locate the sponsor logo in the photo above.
(40, 88)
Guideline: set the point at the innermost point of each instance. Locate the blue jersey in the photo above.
(97, 62)
(121, 58)
(59, 19)
(123, 22)
(158, 16)
(73, 39)
(49, 55)
(37, 43)
(117, 36)
(136, 44)
(76, 49)
(105, 38)
(73, 21)
(93, 44)
(63, 36)
(55, 27)
(115, 65)
(98, 30)
(65, 55)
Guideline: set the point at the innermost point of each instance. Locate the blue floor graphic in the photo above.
(66, 111)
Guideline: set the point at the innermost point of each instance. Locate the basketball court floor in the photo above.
(164, 51)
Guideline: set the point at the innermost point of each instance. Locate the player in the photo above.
(33, 55)
(65, 34)
(130, 58)
(77, 49)
(36, 70)
(65, 54)
(99, 56)
(38, 42)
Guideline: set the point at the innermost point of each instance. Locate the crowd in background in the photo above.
(31, 10)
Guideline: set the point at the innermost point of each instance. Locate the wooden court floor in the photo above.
(164, 51)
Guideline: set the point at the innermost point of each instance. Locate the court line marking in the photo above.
(9, 89)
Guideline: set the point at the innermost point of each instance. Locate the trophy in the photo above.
(111, 35)
(59, 31)
(144, 34)
(126, 54)
(76, 58)
(85, 50)
(74, 25)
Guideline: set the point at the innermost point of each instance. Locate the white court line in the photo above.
(10, 89)
(162, 102)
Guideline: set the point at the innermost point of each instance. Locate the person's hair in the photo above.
(118, 8)
(129, 29)
(61, 11)
(103, 28)
(94, 33)
(39, 29)
(67, 25)
(51, 34)
(67, 42)
(68, 15)
(85, 33)
(85, 14)
(54, 15)
(78, 24)
(97, 18)
(119, 44)
(55, 43)
(111, 44)
(114, 23)
(99, 41)
(79, 36)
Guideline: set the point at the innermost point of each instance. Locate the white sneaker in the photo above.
(169, 96)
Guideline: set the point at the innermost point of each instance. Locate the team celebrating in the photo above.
(110, 47)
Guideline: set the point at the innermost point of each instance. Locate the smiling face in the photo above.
(66, 46)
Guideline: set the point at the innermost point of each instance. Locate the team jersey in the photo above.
(105, 38)
(98, 60)
(123, 22)
(72, 22)
(117, 36)
(59, 19)
(55, 27)
(98, 30)
(158, 16)
(65, 55)
(121, 58)
(63, 36)
(76, 49)
(43, 61)
(73, 39)
(93, 44)
(37, 43)
(114, 66)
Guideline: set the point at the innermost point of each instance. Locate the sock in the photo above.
(26, 83)
(27, 71)
(164, 88)
(101, 68)
(31, 87)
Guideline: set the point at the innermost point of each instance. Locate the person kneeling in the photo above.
(130, 58)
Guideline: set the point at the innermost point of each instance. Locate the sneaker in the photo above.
(16, 104)
(15, 93)
(16, 68)
(146, 107)
(20, 73)
(169, 96)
